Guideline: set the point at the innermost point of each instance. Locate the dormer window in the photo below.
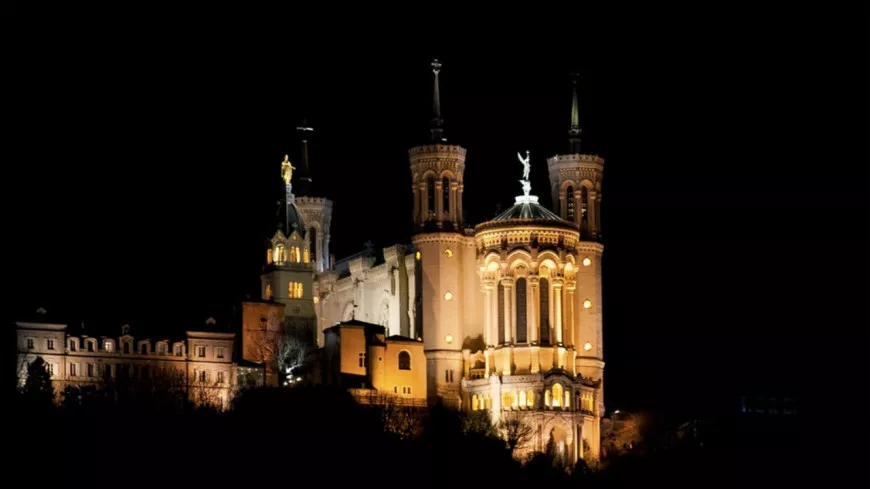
(126, 347)
(161, 348)
(280, 254)
(108, 346)
(179, 350)
(72, 345)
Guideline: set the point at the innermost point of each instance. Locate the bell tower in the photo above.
(575, 180)
(441, 249)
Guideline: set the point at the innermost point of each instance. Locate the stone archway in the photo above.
(559, 440)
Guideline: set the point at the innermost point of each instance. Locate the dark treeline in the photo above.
(320, 435)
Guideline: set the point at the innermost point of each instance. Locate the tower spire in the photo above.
(437, 122)
(574, 132)
(303, 183)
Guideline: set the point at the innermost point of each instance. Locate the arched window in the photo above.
(312, 243)
(530, 399)
(475, 403)
(305, 257)
(570, 205)
(487, 403)
(269, 256)
(584, 201)
(544, 309)
(268, 292)
(522, 398)
(567, 399)
(558, 395)
(280, 254)
(404, 360)
(430, 194)
(445, 194)
(547, 398)
(500, 313)
(521, 310)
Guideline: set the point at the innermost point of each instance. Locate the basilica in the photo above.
(508, 311)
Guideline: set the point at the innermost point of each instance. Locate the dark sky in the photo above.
(148, 147)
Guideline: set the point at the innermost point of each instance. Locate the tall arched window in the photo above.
(522, 398)
(521, 310)
(544, 309)
(312, 245)
(268, 292)
(584, 201)
(500, 313)
(558, 395)
(445, 195)
(570, 207)
(430, 194)
(404, 360)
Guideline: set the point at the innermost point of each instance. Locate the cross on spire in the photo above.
(437, 122)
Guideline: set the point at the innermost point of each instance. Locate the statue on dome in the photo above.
(287, 169)
(526, 165)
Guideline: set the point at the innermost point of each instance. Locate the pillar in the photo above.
(592, 213)
(578, 206)
(508, 310)
(563, 210)
(439, 201)
(557, 309)
(532, 310)
(569, 313)
(487, 313)
(460, 189)
(416, 203)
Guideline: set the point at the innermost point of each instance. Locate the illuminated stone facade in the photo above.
(510, 311)
(200, 368)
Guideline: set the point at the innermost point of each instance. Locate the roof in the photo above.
(527, 210)
(396, 337)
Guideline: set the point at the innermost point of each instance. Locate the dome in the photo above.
(527, 210)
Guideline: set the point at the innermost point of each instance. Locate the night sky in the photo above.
(148, 155)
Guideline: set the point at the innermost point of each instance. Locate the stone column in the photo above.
(453, 214)
(439, 201)
(563, 210)
(460, 189)
(557, 309)
(487, 312)
(508, 309)
(424, 202)
(570, 287)
(592, 214)
(416, 203)
(532, 310)
(578, 207)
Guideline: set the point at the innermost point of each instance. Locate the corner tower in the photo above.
(576, 179)
(316, 211)
(446, 309)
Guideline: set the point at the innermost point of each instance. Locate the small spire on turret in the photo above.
(437, 122)
(574, 132)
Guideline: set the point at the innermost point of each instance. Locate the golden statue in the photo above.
(287, 169)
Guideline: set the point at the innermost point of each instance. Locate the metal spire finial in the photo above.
(574, 132)
(437, 122)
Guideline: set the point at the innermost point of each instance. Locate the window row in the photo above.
(282, 254)
(480, 402)
(406, 390)
(295, 290)
(108, 346)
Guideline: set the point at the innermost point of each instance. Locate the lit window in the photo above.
(219, 352)
(530, 399)
(49, 343)
(404, 360)
(449, 338)
(220, 377)
(203, 376)
(587, 346)
(268, 293)
(522, 398)
(448, 296)
(29, 343)
(567, 399)
(316, 300)
(295, 290)
(179, 350)
(72, 370)
(587, 261)
(108, 346)
(50, 368)
(587, 304)
(269, 256)
(474, 403)
(418, 255)
(558, 394)
(449, 253)
(305, 256)
(200, 351)
(72, 345)
(487, 402)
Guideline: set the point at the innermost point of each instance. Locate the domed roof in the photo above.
(527, 210)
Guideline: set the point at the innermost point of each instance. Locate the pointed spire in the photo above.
(574, 132)
(437, 122)
(304, 183)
